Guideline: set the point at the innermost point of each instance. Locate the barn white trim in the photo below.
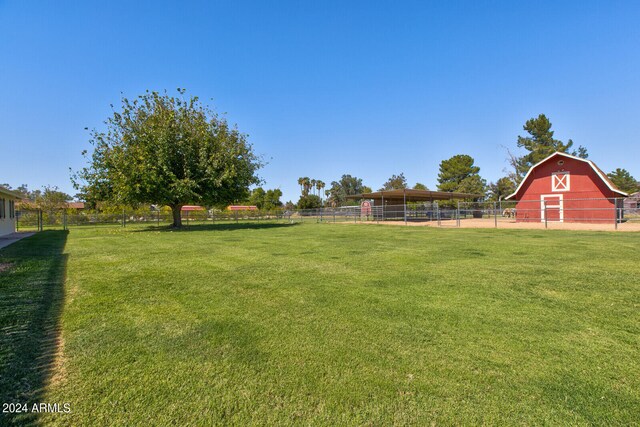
(559, 206)
(557, 153)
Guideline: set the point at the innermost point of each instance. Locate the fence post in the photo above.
(545, 215)
(236, 215)
(458, 214)
(438, 213)
(64, 220)
(495, 213)
(616, 213)
(404, 204)
(40, 220)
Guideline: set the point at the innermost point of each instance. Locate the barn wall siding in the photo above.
(584, 184)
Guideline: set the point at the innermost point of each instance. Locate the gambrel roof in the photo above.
(603, 176)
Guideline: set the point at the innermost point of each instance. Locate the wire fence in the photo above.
(547, 212)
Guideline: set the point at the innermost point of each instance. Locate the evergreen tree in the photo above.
(459, 174)
(539, 144)
(624, 181)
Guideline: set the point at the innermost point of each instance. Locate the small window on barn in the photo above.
(560, 181)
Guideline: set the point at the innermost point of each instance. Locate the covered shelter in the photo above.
(392, 204)
(402, 196)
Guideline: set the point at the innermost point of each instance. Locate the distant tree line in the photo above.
(172, 150)
(460, 174)
(49, 198)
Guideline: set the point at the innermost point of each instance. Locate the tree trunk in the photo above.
(177, 216)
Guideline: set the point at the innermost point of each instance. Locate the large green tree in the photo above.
(459, 174)
(347, 185)
(624, 181)
(257, 197)
(395, 182)
(539, 144)
(266, 200)
(168, 150)
(310, 201)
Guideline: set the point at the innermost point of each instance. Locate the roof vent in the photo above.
(560, 162)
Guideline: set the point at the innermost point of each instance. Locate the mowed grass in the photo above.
(346, 325)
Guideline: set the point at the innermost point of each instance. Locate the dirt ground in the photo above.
(512, 224)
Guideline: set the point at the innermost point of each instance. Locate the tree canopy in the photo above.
(310, 201)
(539, 144)
(168, 150)
(420, 186)
(624, 181)
(500, 189)
(49, 199)
(312, 185)
(347, 186)
(459, 174)
(396, 182)
(266, 200)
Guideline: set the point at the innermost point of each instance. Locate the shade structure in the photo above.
(399, 197)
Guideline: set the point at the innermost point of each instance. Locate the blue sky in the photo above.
(325, 88)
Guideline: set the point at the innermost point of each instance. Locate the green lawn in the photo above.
(324, 325)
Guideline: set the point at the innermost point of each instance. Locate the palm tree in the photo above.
(313, 186)
(331, 201)
(306, 185)
(319, 186)
(301, 183)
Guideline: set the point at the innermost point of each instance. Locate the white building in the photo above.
(8, 201)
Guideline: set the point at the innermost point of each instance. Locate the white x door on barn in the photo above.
(561, 181)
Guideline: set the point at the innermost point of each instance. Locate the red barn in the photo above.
(566, 188)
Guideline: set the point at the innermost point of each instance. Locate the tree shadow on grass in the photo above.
(31, 302)
(218, 227)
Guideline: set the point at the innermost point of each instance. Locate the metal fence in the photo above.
(37, 220)
(547, 212)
